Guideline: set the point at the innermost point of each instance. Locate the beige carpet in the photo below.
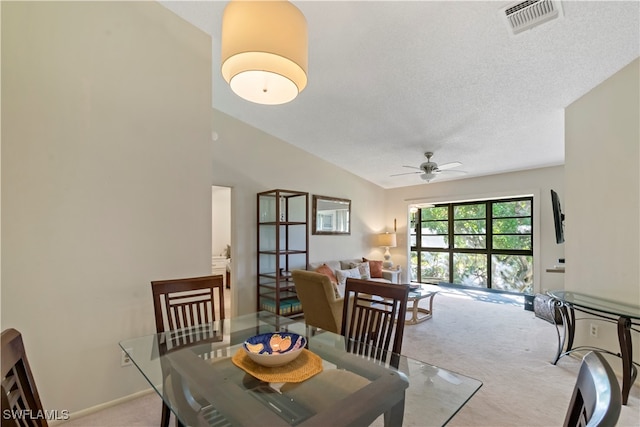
(509, 350)
(501, 344)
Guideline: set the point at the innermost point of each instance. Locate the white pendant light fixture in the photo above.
(264, 50)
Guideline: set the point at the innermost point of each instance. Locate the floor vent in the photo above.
(525, 15)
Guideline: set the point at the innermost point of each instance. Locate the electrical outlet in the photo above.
(593, 330)
(125, 359)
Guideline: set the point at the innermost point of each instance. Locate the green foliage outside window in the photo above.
(483, 244)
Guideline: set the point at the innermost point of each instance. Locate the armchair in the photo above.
(319, 303)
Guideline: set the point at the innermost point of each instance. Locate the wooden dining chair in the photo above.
(186, 303)
(373, 319)
(596, 399)
(19, 393)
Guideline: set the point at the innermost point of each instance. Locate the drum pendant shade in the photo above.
(264, 50)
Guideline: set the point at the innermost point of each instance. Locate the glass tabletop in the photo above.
(193, 371)
(422, 290)
(592, 302)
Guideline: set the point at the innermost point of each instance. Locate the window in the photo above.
(486, 244)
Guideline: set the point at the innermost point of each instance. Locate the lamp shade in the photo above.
(264, 50)
(386, 240)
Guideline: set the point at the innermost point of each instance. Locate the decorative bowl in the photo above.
(274, 348)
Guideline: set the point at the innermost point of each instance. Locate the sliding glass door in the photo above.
(486, 244)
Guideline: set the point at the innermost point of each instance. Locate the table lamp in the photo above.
(386, 240)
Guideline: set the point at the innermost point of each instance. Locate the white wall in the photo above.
(536, 182)
(252, 161)
(603, 196)
(106, 182)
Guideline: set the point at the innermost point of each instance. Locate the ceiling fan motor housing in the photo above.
(430, 170)
(429, 167)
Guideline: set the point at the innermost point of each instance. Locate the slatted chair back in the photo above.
(19, 392)
(185, 312)
(182, 303)
(373, 319)
(596, 399)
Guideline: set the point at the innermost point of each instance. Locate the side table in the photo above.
(394, 275)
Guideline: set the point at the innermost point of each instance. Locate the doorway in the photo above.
(221, 239)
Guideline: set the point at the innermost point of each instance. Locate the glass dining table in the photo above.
(626, 315)
(197, 373)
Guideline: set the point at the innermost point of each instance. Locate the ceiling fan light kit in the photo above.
(264, 50)
(428, 176)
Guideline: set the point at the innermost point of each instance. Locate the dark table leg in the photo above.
(629, 372)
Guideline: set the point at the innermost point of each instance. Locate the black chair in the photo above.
(19, 392)
(596, 399)
(373, 319)
(186, 303)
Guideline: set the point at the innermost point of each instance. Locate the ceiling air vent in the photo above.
(525, 15)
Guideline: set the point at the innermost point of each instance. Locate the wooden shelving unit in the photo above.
(283, 246)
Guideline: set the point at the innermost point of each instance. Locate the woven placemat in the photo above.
(301, 368)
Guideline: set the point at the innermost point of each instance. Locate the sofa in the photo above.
(357, 268)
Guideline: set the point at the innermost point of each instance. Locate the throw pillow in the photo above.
(363, 268)
(343, 275)
(375, 267)
(336, 291)
(326, 270)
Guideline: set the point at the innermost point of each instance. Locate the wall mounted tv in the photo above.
(558, 217)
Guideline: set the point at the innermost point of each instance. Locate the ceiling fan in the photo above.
(431, 170)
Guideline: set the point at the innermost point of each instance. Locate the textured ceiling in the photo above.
(389, 80)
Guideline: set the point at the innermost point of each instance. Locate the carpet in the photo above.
(490, 337)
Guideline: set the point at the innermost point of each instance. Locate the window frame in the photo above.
(489, 249)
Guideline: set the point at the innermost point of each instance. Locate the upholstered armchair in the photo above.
(322, 308)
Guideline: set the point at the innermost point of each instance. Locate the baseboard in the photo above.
(100, 407)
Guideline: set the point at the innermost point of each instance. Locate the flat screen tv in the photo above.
(558, 217)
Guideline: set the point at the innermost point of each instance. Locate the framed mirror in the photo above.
(331, 215)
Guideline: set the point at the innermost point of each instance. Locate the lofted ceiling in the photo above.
(389, 80)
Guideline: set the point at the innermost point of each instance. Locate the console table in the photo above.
(627, 316)
(219, 265)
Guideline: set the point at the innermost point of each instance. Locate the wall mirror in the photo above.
(331, 215)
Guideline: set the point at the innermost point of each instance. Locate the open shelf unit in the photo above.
(283, 246)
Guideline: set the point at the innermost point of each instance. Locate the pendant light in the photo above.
(264, 50)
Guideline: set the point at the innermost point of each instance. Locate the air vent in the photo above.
(525, 15)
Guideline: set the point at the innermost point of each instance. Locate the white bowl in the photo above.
(274, 348)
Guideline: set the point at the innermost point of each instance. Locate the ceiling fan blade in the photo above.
(452, 171)
(405, 173)
(449, 165)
